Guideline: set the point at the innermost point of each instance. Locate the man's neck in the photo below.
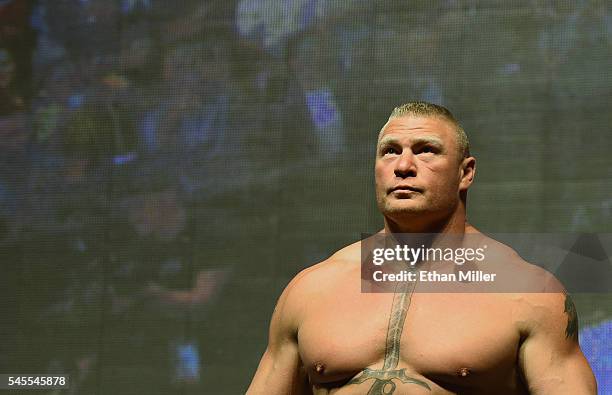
(455, 224)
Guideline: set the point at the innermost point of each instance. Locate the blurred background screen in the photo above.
(166, 167)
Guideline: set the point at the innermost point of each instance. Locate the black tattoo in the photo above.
(571, 331)
(383, 378)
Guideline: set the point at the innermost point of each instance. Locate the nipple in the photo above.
(463, 372)
(319, 367)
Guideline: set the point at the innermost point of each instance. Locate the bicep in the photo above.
(549, 371)
(280, 370)
(550, 357)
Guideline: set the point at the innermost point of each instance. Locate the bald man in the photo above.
(329, 336)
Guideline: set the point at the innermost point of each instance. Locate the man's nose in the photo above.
(405, 166)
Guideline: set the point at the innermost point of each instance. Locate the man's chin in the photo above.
(403, 208)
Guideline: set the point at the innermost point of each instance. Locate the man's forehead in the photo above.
(414, 127)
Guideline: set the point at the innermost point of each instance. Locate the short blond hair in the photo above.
(425, 109)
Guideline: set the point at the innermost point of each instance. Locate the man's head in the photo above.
(424, 109)
(423, 166)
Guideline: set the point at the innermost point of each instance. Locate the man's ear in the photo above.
(468, 172)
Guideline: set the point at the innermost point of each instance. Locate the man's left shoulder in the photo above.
(515, 274)
(542, 301)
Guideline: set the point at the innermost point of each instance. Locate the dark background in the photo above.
(145, 144)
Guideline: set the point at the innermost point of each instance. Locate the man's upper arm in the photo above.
(550, 357)
(280, 370)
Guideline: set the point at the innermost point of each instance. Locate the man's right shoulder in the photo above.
(322, 278)
(330, 270)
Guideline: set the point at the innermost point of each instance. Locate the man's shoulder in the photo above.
(325, 276)
(523, 275)
(538, 295)
(536, 298)
(330, 270)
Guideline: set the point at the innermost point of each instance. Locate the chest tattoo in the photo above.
(385, 378)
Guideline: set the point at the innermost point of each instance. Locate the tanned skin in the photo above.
(328, 337)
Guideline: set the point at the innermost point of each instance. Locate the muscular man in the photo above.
(327, 336)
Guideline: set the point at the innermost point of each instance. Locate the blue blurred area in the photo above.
(597, 348)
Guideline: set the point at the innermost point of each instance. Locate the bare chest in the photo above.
(461, 340)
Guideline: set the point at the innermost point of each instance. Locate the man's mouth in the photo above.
(405, 188)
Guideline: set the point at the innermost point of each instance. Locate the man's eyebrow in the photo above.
(388, 140)
(418, 140)
(427, 140)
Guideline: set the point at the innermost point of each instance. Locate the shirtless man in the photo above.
(328, 337)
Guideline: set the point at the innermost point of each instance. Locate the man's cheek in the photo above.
(379, 178)
(379, 169)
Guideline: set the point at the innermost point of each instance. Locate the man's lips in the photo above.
(405, 188)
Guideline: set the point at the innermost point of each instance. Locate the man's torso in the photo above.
(439, 343)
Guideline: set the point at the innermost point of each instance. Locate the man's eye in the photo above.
(426, 149)
(389, 150)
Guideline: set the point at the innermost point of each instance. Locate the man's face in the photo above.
(418, 168)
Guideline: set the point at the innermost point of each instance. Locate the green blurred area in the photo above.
(530, 82)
